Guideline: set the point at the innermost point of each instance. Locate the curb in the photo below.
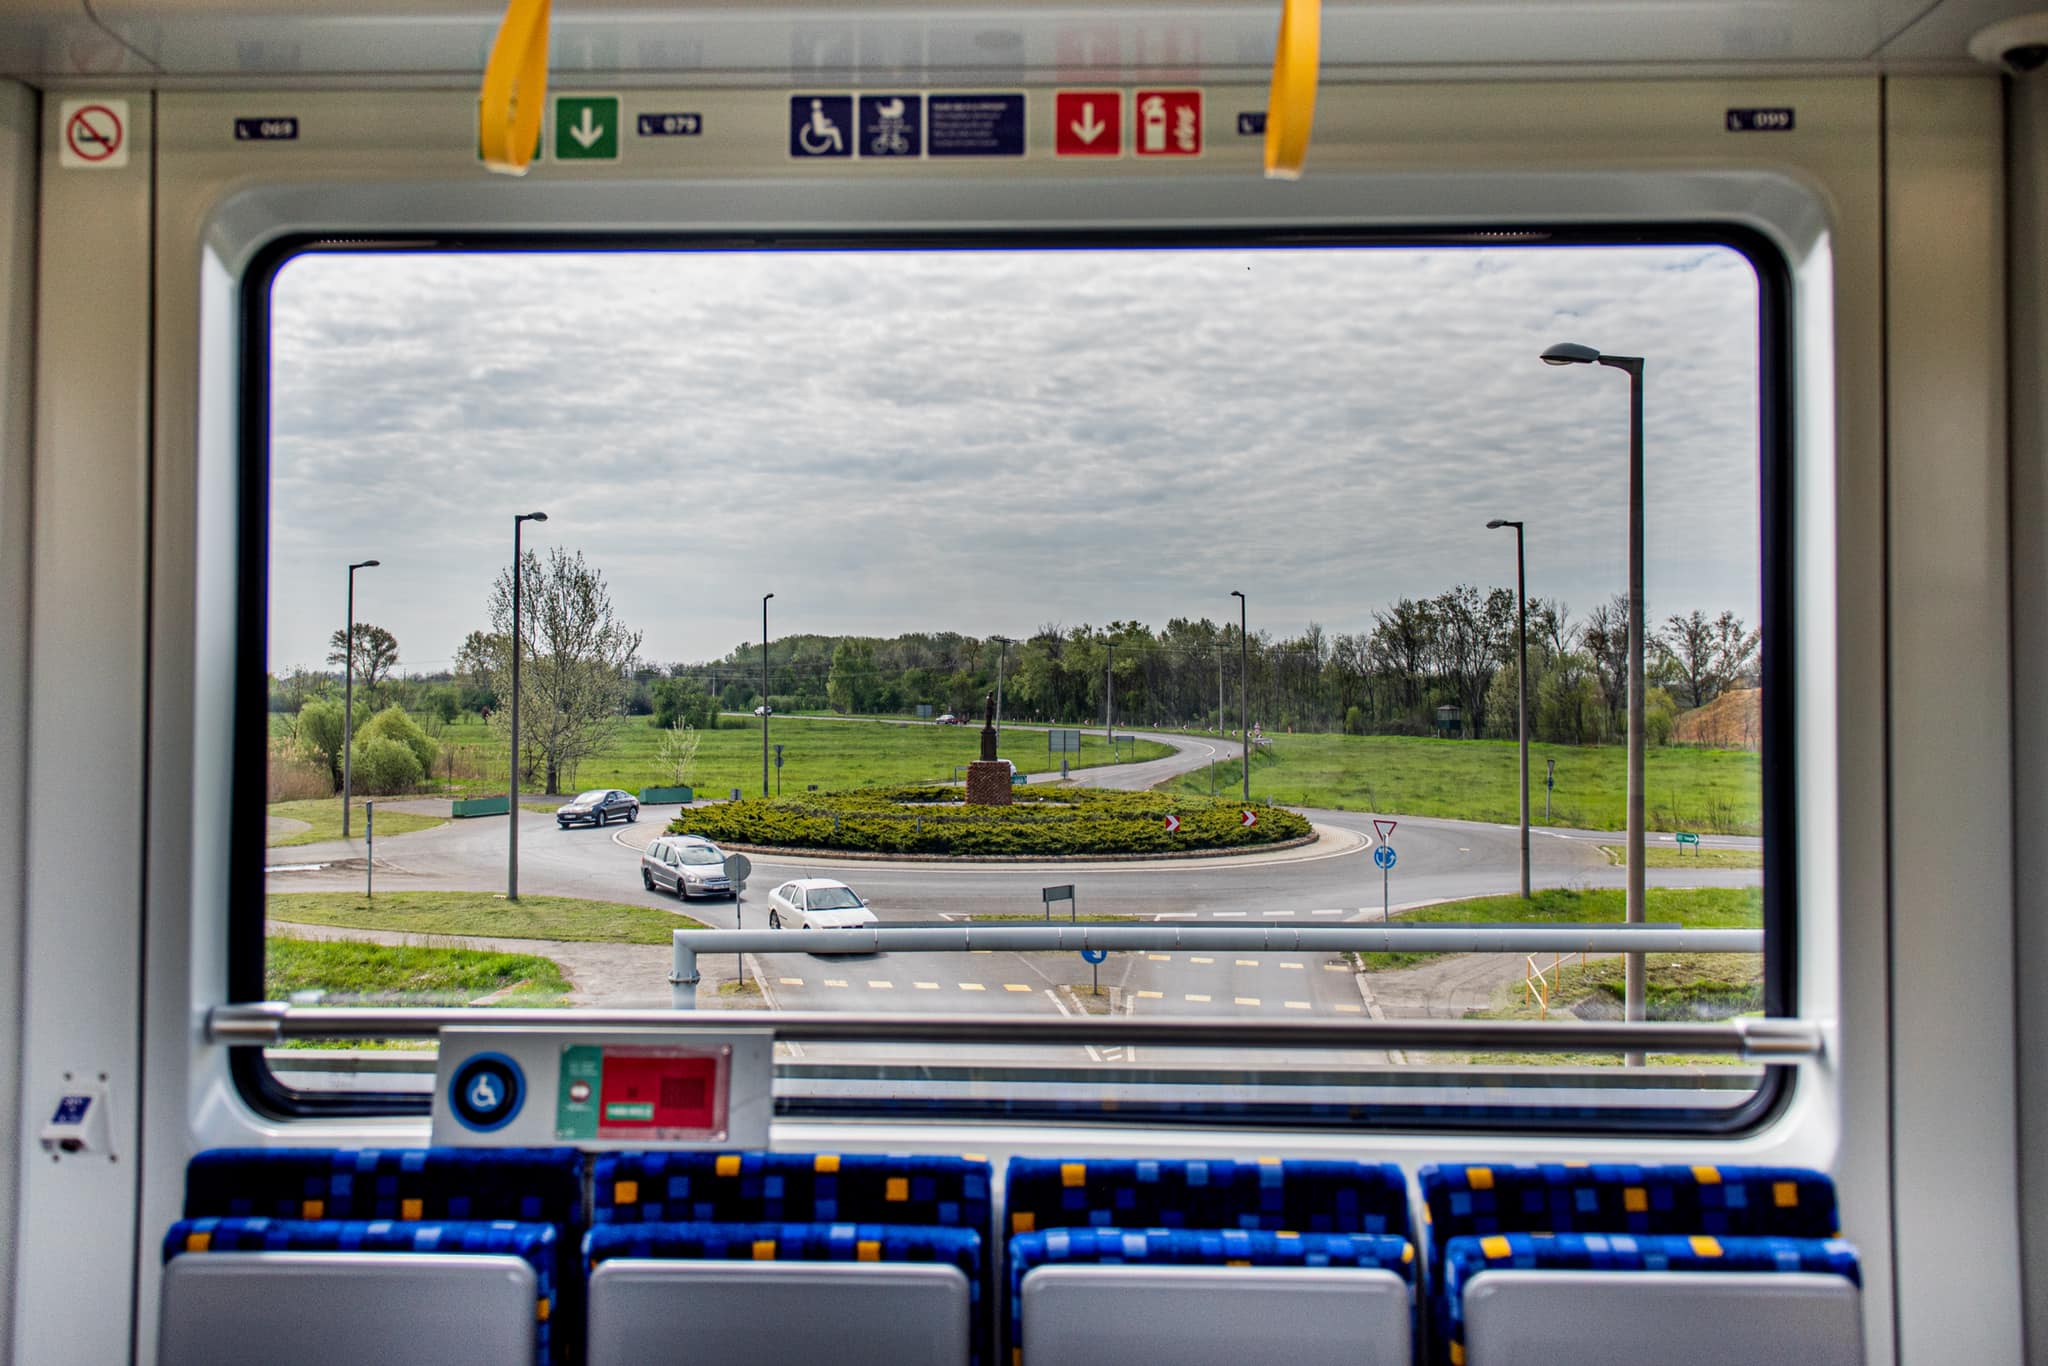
(867, 855)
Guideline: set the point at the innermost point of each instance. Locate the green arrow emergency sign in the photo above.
(587, 128)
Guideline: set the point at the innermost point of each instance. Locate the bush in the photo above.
(933, 820)
(385, 765)
(317, 733)
(683, 700)
(393, 724)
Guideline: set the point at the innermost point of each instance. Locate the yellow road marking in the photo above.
(1247, 962)
(1148, 995)
(1015, 986)
(1160, 957)
(1349, 1010)
(1297, 1005)
(790, 981)
(1200, 999)
(1296, 966)
(926, 986)
(873, 985)
(972, 986)
(1201, 960)
(1336, 967)
(835, 981)
(1247, 1000)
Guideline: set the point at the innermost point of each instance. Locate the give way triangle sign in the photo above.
(1384, 829)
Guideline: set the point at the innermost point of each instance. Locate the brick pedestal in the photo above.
(988, 783)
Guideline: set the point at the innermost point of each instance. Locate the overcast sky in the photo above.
(990, 441)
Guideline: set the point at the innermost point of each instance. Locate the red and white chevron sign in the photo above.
(1248, 819)
(1173, 825)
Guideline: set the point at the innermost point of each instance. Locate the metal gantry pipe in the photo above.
(1769, 1041)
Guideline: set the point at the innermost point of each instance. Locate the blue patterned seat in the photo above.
(1298, 1197)
(826, 1188)
(1198, 1247)
(535, 1244)
(1466, 1256)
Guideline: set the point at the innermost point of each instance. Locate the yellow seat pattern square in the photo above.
(729, 1164)
(826, 1162)
(1023, 1221)
(542, 1309)
(1707, 1176)
(868, 1250)
(1635, 1200)
(1704, 1245)
(1495, 1247)
(198, 1242)
(1479, 1178)
(626, 1193)
(411, 1209)
(1457, 1354)
(764, 1249)
(1786, 1193)
(312, 1209)
(897, 1190)
(1073, 1174)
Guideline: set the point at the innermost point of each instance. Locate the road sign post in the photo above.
(1549, 782)
(1686, 837)
(1048, 895)
(1093, 958)
(369, 850)
(1383, 858)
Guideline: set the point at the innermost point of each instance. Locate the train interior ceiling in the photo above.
(921, 323)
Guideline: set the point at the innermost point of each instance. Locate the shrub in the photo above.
(393, 724)
(383, 764)
(318, 736)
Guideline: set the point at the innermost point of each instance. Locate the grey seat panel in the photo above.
(1675, 1318)
(646, 1312)
(346, 1309)
(1215, 1316)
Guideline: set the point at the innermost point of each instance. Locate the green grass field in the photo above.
(484, 915)
(1711, 790)
(323, 814)
(836, 755)
(1717, 908)
(1670, 856)
(380, 974)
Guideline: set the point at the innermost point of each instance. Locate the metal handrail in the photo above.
(1767, 1041)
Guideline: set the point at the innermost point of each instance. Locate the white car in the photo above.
(817, 903)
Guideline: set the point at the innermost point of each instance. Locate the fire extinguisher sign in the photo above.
(1169, 123)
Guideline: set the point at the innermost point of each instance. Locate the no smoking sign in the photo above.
(94, 133)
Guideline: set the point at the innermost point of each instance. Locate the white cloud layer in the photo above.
(989, 441)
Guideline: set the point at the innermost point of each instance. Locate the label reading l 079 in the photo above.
(1760, 120)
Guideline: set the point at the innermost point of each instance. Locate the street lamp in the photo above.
(1571, 353)
(348, 693)
(765, 708)
(1521, 682)
(1244, 674)
(512, 810)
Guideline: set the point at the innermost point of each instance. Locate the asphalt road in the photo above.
(1333, 881)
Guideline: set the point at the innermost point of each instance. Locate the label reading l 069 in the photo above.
(1760, 120)
(267, 130)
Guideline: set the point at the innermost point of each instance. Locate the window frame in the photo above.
(258, 1085)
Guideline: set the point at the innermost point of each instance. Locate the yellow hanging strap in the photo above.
(1291, 104)
(515, 89)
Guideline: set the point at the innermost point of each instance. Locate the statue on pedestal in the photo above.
(988, 731)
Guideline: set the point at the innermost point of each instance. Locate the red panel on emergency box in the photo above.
(1168, 123)
(1088, 123)
(650, 1091)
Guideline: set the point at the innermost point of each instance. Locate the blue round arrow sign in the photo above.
(1383, 856)
(1094, 955)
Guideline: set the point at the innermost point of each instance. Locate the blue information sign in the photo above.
(891, 125)
(1094, 955)
(671, 125)
(267, 130)
(976, 126)
(1383, 856)
(820, 126)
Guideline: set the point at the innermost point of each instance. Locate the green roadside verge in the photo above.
(323, 815)
(1671, 856)
(482, 915)
(353, 974)
(1719, 908)
(1677, 987)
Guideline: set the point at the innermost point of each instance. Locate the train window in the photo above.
(1208, 585)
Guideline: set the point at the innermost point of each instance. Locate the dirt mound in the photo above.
(1734, 720)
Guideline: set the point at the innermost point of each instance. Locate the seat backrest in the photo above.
(288, 1291)
(1298, 1197)
(825, 1188)
(531, 1185)
(1476, 1200)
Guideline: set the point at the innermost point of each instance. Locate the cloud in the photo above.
(987, 440)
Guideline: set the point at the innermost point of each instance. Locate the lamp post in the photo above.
(1571, 353)
(765, 708)
(512, 810)
(1521, 682)
(1244, 689)
(1002, 656)
(348, 694)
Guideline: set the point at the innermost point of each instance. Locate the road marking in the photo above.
(1247, 962)
(1275, 913)
(1150, 995)
(1015, 986)
(1201, 960)
(981, 950)
(835, 981)
(1336, 967)
(926, 986)
(1160, 957)
(1349, 1010)
(1175, 915)
(1232, 915)
(1246, 1000)
(873, 985)
(1296, 966)
(972, 986)
(790, 981)
(1326, 912)
(1199, 1000)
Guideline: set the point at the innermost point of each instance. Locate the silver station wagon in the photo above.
(686, 865)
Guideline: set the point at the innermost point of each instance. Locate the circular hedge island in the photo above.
(1040, 823)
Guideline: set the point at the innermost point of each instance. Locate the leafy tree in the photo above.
(576, 657)
(376, 653)
(851, 687)
(317, 734)
(682, 701)
(678, 752)
(393, 724)
(1708, 655)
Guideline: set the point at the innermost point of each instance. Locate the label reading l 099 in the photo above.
(1760, 120)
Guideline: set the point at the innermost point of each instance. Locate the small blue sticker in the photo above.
(1760, 120)
(671, 125)
(976, 126)
(71, 1110)
(1251, 125)
(266, 130)
(820, 126)
(891, 125)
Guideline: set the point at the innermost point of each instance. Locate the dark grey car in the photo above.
(685, 865)
(599, 806)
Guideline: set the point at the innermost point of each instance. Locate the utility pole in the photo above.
(1109, 699)
(765, 708)
(1521, 682)
(348, 694)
